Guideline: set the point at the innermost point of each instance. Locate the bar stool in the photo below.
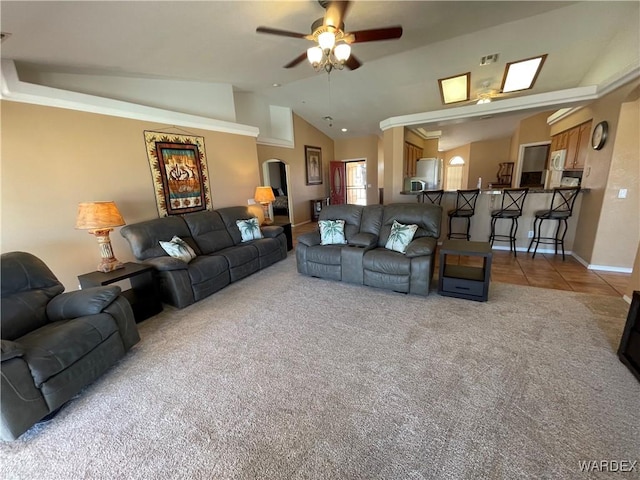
(465, 208)
(511, 208)
(561, 209)
(434, 196)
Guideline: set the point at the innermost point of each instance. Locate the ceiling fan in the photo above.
(333, 43)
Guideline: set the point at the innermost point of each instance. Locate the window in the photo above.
(455, 169)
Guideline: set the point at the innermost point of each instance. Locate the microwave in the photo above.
(416, 185)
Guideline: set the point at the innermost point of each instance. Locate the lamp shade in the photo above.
(264, 195)
(342, 52)
(327, 40)
(314, 55)
(98, 215)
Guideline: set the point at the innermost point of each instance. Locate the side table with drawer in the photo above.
(143, 296)
(465, 281)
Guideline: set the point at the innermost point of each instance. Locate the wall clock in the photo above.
(599, 135)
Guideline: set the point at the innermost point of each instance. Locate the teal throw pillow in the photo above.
(400, 236)
(332, 232)
(249, 229)
(178, 248)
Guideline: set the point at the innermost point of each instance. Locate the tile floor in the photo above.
(546, 270)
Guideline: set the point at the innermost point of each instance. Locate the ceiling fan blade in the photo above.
(352, 63)
(375, 34)
(282, 33)
(296, 60)
(336, 12)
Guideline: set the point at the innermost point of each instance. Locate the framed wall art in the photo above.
(179, 169)
(313, 162)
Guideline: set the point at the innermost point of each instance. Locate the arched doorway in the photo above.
(275, 173)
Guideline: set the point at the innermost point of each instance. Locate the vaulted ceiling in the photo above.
(587, 43)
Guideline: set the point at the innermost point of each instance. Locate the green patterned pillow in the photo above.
(332, 232)
(400, 236)
(178, 248)
(249, 229)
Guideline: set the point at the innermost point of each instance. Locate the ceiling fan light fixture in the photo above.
(522, 75)
(314, 55)
(326, 40)
(342, 52)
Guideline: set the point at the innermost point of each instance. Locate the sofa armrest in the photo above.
(166, 263)
(367, 240)
(421, 246)
(309, 239)
(10, 350)
(80, 303)
(271, 231)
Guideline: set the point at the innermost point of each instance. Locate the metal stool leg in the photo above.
(493, 230)
(449, 233)
(468, 227)
(512, 239)
(536, 236)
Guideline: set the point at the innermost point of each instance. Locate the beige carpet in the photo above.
(282, 376)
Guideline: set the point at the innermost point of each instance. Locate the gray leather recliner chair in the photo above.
(53, 343)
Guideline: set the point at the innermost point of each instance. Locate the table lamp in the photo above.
(100, 218)
(264, 196)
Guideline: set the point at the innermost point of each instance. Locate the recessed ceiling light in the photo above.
(455, 89)
(344, 129)
(522, 75)
(276, 85)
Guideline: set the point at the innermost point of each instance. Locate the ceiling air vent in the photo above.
(489, 59)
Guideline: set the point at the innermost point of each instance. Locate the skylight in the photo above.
(455, 89)
(522, 75)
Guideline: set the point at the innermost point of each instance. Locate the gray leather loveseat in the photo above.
(221, 255)
(364, 259)
(53, 343)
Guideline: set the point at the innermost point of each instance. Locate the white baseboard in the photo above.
(293, 225)
(602, 268)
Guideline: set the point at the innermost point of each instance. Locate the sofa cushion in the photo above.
(54, 347)
(208, 231)
(249, 229)
(178, 248)
(229, 216)
(327, 254)
(204, 267)
(144, 237)
(400, 236)
(426, 216)
(386, 261)
(332, 232)
(351, 214)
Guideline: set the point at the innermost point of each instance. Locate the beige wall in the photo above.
(596, 174)
(301, 194)
(358, 149)
(53, 158)
(624, 173)
(484, 158)
(393, 139)
(532, 129)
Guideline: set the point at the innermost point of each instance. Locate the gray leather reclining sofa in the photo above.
(364, 259)
(222, 257)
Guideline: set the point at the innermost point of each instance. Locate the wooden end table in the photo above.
(143, 295)
(464, 281)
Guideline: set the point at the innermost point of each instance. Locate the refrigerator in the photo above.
(429, 170)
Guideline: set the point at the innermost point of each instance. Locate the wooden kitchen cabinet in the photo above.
(584, 143)
(576, 142)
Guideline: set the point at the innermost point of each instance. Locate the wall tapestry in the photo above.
(179, 170)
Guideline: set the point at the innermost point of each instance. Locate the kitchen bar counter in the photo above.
(490, 199)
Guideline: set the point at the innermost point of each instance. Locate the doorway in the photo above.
(356, 182)
(276, 175)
